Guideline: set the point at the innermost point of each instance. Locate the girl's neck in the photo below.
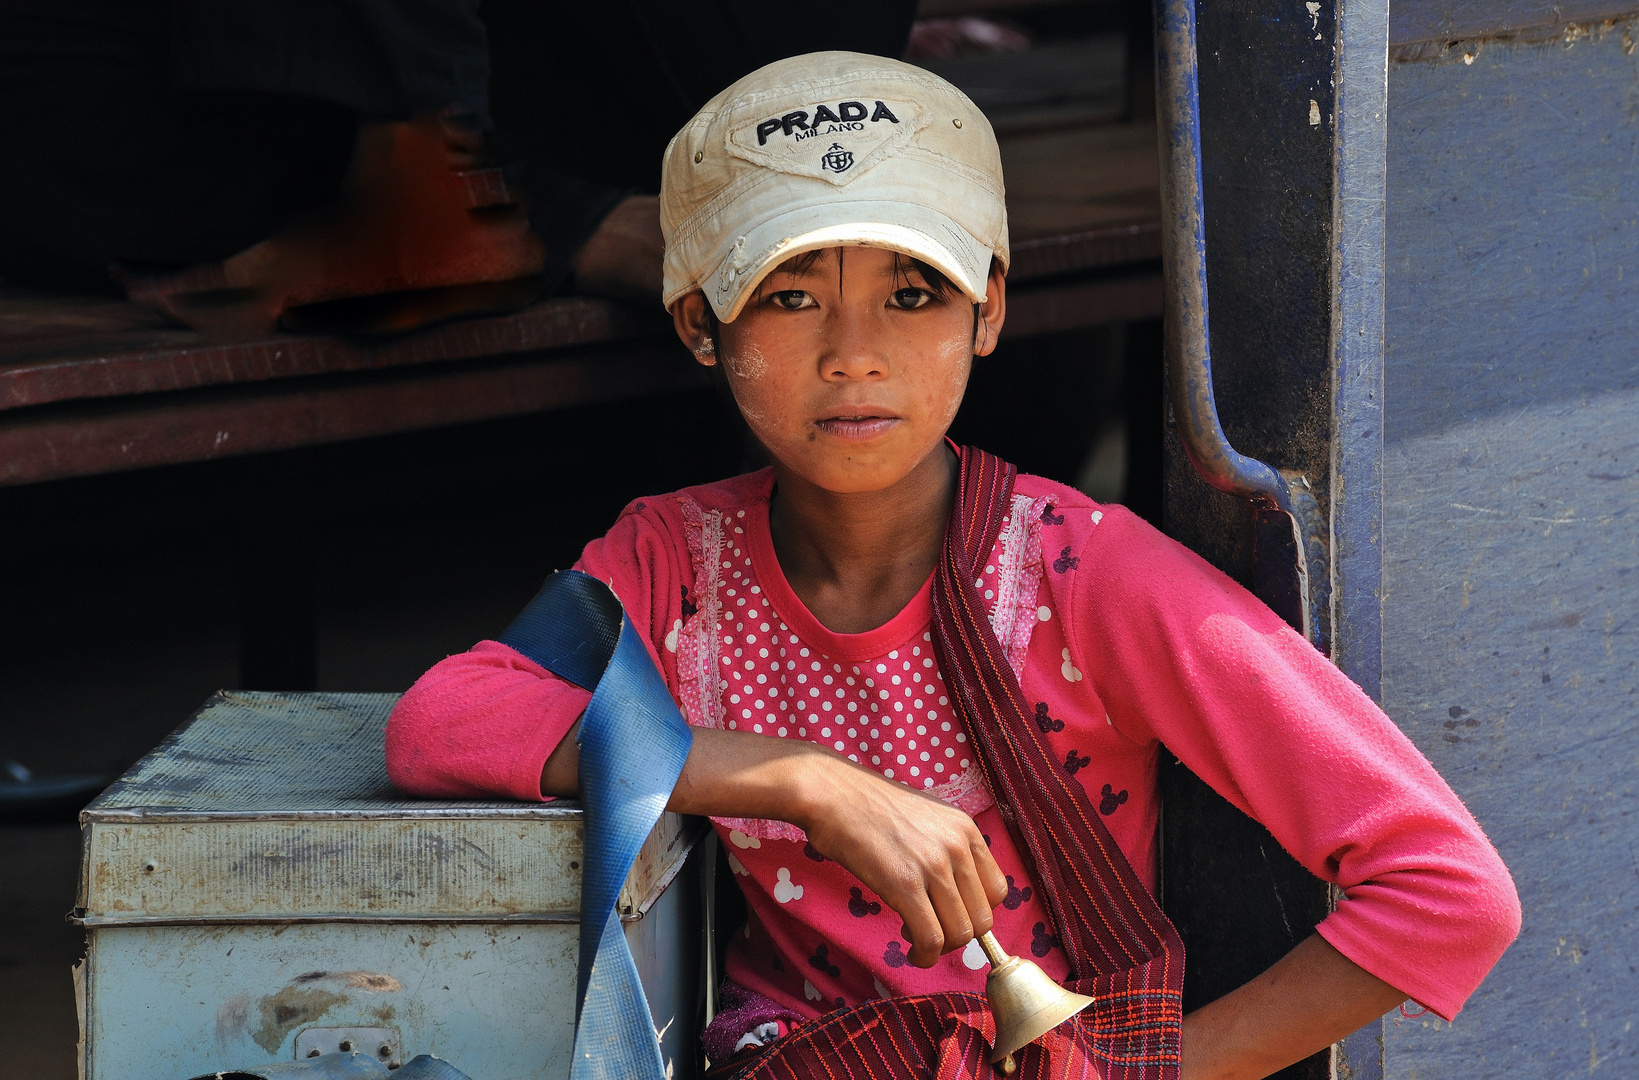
(856, 559)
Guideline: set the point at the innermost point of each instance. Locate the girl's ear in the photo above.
(692, 320)
(987, 328)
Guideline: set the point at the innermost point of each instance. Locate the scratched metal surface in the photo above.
(1511, 534)
(495, 1000)
(277, 806)
(256, 875)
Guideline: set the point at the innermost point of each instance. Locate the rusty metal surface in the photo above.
(101, 354)
(277, 807)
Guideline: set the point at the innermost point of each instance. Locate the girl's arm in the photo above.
(1311, 998)
(926, 860)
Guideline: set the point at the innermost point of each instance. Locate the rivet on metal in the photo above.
(957, 121)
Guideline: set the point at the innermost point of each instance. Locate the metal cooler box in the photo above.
(254, 891)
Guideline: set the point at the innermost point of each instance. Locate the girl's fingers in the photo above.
(955, 928)
(990, 874)
(921, 928)
(975, 899)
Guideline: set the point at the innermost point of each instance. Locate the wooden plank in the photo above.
(1086, 303)
(38, 369)
(88, 438)
(1069, 253)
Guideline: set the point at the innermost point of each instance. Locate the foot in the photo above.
(416, 212)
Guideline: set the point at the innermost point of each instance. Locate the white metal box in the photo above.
(254, 888)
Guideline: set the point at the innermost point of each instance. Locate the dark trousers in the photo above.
(159, 133)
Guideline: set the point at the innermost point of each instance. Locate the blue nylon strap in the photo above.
(633, 742)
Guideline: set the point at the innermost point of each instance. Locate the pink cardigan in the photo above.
(1126, 639)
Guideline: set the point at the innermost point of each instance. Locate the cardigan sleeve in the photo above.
(483, 722)
(1180, 653)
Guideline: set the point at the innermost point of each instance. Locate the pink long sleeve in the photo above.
(483, 722)
(1180, 653)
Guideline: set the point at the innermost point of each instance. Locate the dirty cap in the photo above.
(823, 150)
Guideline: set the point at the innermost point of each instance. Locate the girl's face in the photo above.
(846, 364)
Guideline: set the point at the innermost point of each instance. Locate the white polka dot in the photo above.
(782, 735)
(990, 594)
(927, 661)
(760, 678)
(921, 730)
(901, 759)
(888, 773)
(928, 782)
(839, 744)
(896, 680)
(887, 746)
(964, 763)
(960, 737)
(880, 668)
(924, 753)
(751, 639)
(989, 569)
(915, 770)
(734, 699)
(875, 760)
(950, 751)
(733, 724)
(942, 727)
(758, 728)
(825, 733)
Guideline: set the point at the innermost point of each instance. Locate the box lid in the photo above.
(277, 807)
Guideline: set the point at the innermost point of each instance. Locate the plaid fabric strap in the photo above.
(1122, 949)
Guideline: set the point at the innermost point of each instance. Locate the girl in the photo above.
(929, 695)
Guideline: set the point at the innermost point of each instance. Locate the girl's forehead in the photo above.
(857, 258)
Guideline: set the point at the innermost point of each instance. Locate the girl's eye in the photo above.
(791, 299)
(909, 299)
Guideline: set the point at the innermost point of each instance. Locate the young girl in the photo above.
(836, 241)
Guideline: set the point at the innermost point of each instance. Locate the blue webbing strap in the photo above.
(633, 742)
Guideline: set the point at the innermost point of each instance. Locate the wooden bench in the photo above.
(92, 385)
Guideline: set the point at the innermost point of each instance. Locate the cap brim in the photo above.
(916, 231)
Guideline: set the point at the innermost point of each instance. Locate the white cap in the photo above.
(823, 150)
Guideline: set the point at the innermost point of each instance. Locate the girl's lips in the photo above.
(857, 428)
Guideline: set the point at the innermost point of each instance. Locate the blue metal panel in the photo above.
(1511, 533)
(1447, 20)
(1359, 195)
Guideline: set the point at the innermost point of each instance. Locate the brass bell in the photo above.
(1024, 1001)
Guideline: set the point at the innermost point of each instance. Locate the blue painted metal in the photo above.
(1289, 535)
(1183, 253)
(1511, 533)
(327, 1067)
(1452, 20)
(1359, 194)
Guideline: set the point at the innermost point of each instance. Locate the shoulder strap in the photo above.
(1122, 949)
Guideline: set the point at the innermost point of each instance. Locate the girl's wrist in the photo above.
(810, 785)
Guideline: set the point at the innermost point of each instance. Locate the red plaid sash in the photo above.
(1122, 950)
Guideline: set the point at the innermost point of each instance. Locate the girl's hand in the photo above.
(925, 859)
